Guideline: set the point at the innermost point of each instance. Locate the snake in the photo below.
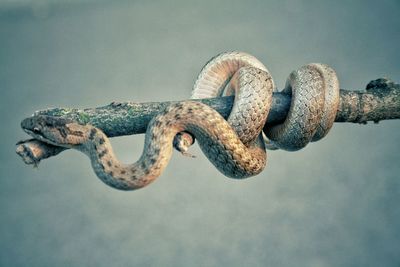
(236, 146)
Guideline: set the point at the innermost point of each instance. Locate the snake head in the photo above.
(55, 130)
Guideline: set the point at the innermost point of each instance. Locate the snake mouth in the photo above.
(36, 134)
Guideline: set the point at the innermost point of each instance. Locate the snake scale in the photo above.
(236, 146)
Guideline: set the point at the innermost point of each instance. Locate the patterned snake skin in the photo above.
(234, 146)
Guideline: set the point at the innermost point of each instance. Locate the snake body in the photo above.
(249, 80)
(216, 137)
(234, 146)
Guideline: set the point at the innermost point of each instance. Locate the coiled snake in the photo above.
(235, 146)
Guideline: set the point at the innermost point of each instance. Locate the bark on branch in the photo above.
(380, 101)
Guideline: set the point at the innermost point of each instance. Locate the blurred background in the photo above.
(335, 203)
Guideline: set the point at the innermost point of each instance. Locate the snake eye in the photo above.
(36, 130)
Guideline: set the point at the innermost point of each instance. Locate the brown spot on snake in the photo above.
(102, 153)
(93, 132)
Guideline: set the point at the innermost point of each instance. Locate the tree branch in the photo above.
(380, 101)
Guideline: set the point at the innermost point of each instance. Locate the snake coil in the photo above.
(235, 146)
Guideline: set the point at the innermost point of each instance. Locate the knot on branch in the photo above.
(381, 84)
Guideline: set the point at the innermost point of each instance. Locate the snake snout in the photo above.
(29, 124)
(36, 123)
(33, 127)
(44, 128)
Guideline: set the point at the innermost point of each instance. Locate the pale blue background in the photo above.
(335, 203)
